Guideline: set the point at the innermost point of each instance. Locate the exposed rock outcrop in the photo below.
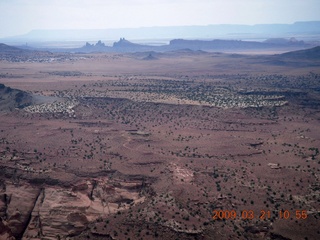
(13, 98)
(50, 212)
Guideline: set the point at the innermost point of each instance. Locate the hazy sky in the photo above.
(21, 16)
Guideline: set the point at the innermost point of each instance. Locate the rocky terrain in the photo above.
(31, 210)
(13, 98)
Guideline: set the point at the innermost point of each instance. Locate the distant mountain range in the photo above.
(299, 58)
(124, 45)
(4, 48)
(312, 53)
(301, 30)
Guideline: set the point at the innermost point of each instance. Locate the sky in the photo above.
(21, 16)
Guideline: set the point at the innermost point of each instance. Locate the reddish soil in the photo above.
(126, 168)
